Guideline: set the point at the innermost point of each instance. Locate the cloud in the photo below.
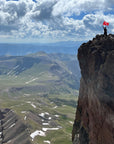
(43, 11)
(54, 19)
(73, 6)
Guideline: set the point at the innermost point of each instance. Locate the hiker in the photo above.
(105, 31)
(104, 27)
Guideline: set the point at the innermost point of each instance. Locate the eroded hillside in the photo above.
(40, 89)
(12, 129)
(51, 73)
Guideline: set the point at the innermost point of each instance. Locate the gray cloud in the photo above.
(43, 11)
(52, 18)
(12, 8)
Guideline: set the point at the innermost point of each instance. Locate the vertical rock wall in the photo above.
(94, 122)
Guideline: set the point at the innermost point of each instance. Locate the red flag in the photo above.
(105, 23)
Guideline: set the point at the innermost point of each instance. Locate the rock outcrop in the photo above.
(12, 129)
(94, 122)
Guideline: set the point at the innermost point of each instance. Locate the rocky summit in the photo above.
(94, 121)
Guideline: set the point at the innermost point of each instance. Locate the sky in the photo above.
(46, 21)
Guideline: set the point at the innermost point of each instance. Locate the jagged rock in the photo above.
(94, 122)
(12, 129)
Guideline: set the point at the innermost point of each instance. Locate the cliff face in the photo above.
(94, 122)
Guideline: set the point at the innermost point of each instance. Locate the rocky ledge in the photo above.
(94, 121)
(12, 130)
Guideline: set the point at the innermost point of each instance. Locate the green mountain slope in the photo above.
(41, 89)
(54, 72)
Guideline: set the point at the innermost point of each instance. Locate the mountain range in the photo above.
(20, 49)
(38, 95)
(52, 72)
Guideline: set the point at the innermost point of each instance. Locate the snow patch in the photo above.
(47, 142)
(57, 116)
(26, 94)
(60, 127)
(8, 120)
(50, 129)
(31, 81)
(55, 107)
(12, 125)
(23, 112)
(33, 105)
(46, 113)
(9, 141)
(25, 117)
(45, 124)
(9, 72)
(29, 102)
(15, 67)
(43, 114)
(37, 133)
(49, 118)
(70, 122)
(64, 105)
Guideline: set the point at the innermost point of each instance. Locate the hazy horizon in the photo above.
(18, 49)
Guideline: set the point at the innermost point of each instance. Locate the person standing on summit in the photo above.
(105, 31)
(104, 27)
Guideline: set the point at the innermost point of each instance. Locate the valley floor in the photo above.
(48, 117)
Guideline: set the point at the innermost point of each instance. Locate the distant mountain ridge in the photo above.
(24, 49)
(57, 72)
